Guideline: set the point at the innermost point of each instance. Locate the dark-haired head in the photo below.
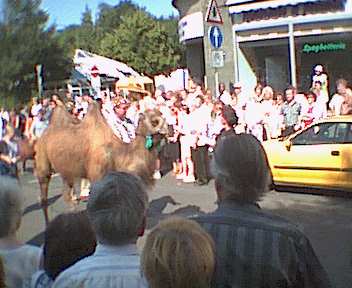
(229, 116)
(68, 239)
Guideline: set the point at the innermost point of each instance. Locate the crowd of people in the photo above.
(237, 245)
(196, 118)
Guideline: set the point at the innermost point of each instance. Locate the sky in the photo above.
(66, 12)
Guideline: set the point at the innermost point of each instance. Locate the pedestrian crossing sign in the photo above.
(213, 13)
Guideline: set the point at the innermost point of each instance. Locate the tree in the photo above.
(110, 17)
(141, 42)
(25, 42)
(87, 38)
(170, 24)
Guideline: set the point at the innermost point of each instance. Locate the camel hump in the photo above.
(95, 118)
(61, 117)
(94, 112)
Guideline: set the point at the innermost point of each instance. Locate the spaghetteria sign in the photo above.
(324, 47)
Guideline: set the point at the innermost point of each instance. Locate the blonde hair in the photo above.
(267, 90)
(178, 254)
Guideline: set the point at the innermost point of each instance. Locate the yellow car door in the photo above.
(346, 155)
(312, 158)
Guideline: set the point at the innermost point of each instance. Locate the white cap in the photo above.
(318, 68)
(237, 85)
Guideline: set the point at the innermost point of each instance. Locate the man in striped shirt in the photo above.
(254, 248)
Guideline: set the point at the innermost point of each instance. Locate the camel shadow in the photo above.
(155, 211)
(37, 206)
(37, 240)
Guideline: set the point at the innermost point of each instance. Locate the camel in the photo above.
(89, 149)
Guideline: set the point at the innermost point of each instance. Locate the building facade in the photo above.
(208, 40)
(277, 42)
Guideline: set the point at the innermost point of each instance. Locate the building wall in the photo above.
(226, 73)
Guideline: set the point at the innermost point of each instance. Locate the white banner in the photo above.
(191, 26)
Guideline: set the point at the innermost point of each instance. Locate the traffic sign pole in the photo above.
(217, 83)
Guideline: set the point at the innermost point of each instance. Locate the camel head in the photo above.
(153, 127)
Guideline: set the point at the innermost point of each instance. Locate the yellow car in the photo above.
(320, 156)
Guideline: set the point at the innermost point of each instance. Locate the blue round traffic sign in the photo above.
(216, 37)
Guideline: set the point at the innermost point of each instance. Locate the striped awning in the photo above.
(242, 6)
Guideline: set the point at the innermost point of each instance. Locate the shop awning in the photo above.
(255, 5)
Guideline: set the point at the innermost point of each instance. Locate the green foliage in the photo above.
(110, 17)
(25, 42)
(142, 42)
(128, 33)
(123, 32)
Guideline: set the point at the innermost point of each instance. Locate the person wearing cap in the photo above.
(320, 76)
(237, 92)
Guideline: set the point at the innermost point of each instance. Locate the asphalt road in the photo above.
(326, 220)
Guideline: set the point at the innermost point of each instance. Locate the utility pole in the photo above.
(38, 69)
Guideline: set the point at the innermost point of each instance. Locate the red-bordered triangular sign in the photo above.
(213, 13)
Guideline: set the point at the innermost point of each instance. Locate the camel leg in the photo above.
(23, 166)
(44, 185)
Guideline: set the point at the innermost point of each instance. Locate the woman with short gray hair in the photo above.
(20, 260)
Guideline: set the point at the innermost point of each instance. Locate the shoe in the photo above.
(189, 179)
(180, 176)
(201, 182)
(157, 175)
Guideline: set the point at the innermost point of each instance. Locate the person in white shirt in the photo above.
(36, 107)
(225, 96)
(254, 117)
(187, 140)
(277, 117)
(20, 260)
(116, 210)
(201, 119)
(241, 98)
(337, 100)
(320, 76)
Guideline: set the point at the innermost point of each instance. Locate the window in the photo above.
(304, 138)
(349, 134)
(325, 133)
